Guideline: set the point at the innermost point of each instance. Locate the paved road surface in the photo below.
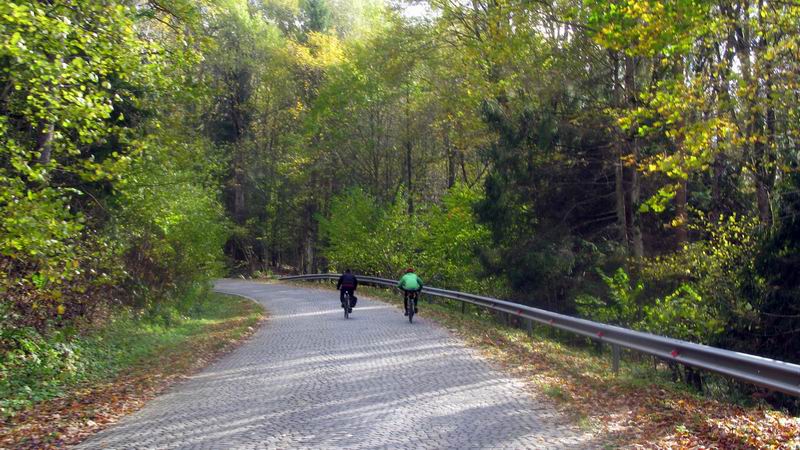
(311, 379)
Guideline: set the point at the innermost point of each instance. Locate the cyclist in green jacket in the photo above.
(410, 284)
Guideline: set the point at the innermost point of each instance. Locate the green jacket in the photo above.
(410, 282)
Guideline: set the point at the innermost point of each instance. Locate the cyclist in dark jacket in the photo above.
(347, 283)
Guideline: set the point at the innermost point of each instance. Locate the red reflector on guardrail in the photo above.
(674, 353)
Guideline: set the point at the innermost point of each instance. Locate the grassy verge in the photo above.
(640, 407)
(116, 369)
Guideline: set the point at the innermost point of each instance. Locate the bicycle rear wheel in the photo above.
(410, 308)
(346, 306)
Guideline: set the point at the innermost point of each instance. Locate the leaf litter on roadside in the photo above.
(646, 416)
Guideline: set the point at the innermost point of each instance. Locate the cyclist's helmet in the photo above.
(410, 270)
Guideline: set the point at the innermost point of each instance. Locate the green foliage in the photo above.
(350, 233)
(67, 73)
(692, 294)
(89, 178)
(451, 240)
(716, 268)
(167, 222)
(547, 207)
(316, 15)
(648, 27)
(683, 314)
(440, 243)
(369, 239)
(623, 306)
(32, 368)
(36, 223)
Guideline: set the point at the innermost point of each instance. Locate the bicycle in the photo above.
(410, 300)
(347, 304)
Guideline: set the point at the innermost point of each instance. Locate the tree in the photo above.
(316, 16)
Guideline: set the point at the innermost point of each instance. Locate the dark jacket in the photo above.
(347, 281)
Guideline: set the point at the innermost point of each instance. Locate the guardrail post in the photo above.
(615, 358)
(529, 327)
(463, 307)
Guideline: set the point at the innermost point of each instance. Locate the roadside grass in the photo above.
(640, 407)
(117, 368)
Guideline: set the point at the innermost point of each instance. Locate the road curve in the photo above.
(311, 379)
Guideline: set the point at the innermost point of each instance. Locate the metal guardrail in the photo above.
(777, 375)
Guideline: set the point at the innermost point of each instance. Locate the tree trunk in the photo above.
(760, 154)
(630, 173)
(310, 235)
(766, 182)
(238, 194)
(620, 200)
(309, 253)
(451, 160)
(619, 189)
(682, 216)
(408, 146)
(762, 198)
(636, 238)
(463, 168)
(718, 170)
(44, 144)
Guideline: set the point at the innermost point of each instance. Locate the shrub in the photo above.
(440, 242)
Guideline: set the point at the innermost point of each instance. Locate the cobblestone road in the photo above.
(311, 379)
